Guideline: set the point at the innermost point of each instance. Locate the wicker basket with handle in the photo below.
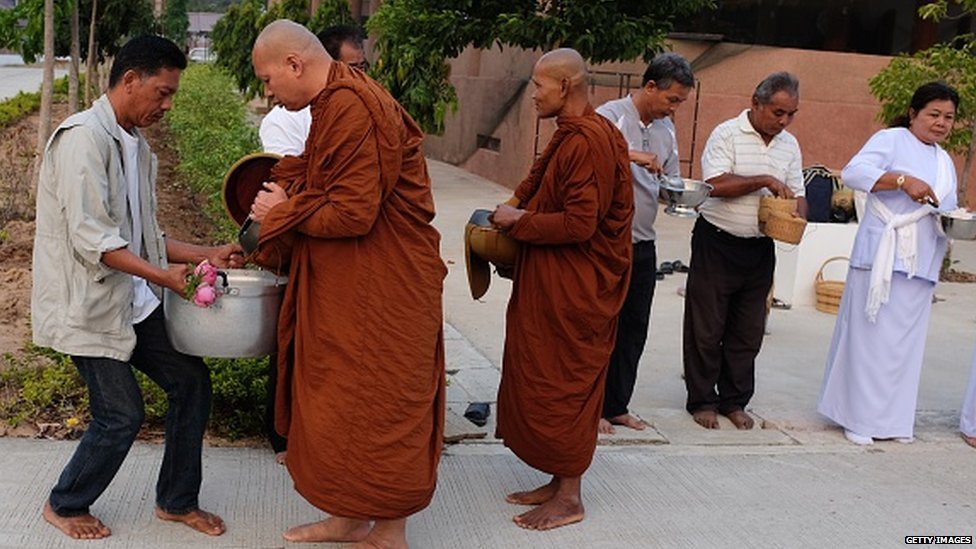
(769, 204)
(828, 292)
(784, 227)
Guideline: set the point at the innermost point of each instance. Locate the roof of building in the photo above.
(200, 21)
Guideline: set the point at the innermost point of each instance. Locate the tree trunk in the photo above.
(90, 79)
(75, 55)
(47, 88)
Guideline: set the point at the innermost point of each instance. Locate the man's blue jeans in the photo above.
(117, 412)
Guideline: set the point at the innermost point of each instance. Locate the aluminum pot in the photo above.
(242, 322)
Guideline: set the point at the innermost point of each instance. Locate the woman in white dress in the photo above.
(870, 386)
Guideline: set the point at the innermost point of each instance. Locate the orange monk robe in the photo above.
(570, 282)
(361, 356)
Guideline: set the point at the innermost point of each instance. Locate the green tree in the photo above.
(234, 34)
(175, 22)
(954, 64)
(415, 38)
(331, 12)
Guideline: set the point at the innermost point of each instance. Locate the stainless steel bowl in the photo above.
(959, 228)
(243, 322)
(684, 195)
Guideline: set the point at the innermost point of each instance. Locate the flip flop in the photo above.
(666, 268)
(678, 266)
(478, 413)
(659, 275)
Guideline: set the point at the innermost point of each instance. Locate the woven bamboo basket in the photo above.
(828, 291)
(769, 204)
(784, 227)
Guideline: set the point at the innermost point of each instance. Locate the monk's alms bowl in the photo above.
(684, 195)
(959, 226)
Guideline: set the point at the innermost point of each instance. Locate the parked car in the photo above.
(200, 55)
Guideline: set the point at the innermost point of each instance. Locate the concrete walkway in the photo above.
(793, 483)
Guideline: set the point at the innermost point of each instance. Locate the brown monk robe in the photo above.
(570, 282)
(361, 360)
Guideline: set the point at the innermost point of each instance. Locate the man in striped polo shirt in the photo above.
(732, 262)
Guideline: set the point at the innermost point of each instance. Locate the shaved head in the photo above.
(560, 84)
(564, 63)
(291, 63)
(283, 37)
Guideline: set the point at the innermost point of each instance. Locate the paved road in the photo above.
(14, 79)
(794, 483)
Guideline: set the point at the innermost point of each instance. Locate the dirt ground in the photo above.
(180, 216)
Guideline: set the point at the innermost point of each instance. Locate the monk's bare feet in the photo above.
(605, 427)
(280, 457)
(538, 496)
(740, 419)
(198, 519)
(558, 511)
(386, 534)
(969, 440)
(78, 527)
(706, 418)
(628, 420)
(332, 529)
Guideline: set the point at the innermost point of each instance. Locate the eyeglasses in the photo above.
(362, 65)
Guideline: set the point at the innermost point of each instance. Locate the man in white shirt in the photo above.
(644, 118)
(732, 262)
(283, 131)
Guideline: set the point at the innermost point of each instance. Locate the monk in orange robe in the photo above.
(361, 356)
(570, 282)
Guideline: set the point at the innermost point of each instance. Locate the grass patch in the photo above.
(43, 387)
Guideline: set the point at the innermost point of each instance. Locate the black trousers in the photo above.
(725, 313)
(632, 327)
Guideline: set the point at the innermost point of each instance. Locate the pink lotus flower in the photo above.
(205, 295)
(206, 272)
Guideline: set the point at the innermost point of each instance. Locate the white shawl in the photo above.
(900, 235)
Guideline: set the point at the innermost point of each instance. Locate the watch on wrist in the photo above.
(900, 181)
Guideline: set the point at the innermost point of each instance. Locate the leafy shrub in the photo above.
(209, 124)
(14, 108)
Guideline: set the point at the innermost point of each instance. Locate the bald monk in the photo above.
(361, 355)
(573, 220)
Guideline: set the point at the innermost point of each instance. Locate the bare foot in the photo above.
(386, 534)
(198, 519)
(558, 511)
(538, 496)
(628, 420)
(969, 440)
(280, 457)
(78, 527)
(332, 529)
(605, 427)
(706, 418)
(740, 419)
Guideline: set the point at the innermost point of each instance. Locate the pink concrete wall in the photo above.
(836, 116)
